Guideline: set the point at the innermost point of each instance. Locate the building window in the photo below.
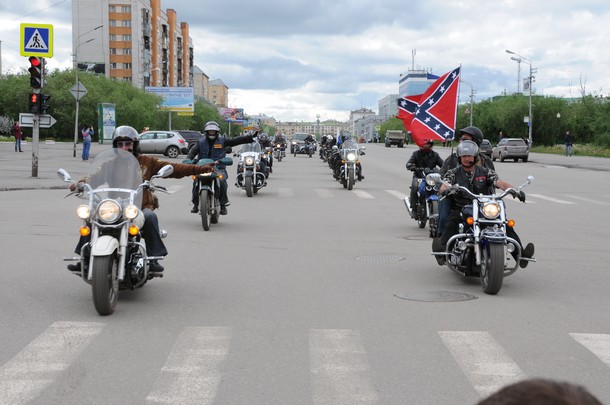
(126, 23)
(126, 9)
(113, 37)
(113, 51)
(127, 37)
(113, 65)
(112, 23)
(112, 9)
(126, 51)
(126, 65)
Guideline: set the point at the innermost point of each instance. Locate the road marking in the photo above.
(339, 368)
(555, 200)
(285, 192)
(482, 359)
(191, 373)
(323, 192)
(362, 193)
(589, 200)
(397, 194)
(598, 344)
(28, 373)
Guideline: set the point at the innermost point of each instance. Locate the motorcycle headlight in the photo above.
(249, 160)
(131, 211)
(351, 157)
(83, 211)
(108, 211)
(491, 210)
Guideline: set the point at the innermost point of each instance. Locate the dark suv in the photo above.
(191, 137)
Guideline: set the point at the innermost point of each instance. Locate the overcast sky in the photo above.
(295, 59)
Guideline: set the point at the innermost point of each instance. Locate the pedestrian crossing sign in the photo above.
(37, 40)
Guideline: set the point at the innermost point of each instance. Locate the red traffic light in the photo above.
(34, 97)
(36, 72)
(35, 61)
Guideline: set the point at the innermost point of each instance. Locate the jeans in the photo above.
(86, 148)
(18, 145)
(444, 208)
(568, 150)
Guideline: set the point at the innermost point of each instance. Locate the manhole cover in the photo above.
(436, 296)
(380, 258)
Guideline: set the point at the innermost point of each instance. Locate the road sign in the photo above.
(78, 91)
(45, 120)
(36, 40)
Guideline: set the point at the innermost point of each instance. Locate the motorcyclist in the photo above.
(126, 138)
(212, 146)
(423, 161)
(265, 142)
(479, 180)
(346, 142)
(310, 142)
(465, 134)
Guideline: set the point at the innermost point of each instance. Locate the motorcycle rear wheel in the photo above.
(492, 269)
(204, 210)
(105, 284)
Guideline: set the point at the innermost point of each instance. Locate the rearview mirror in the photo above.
(165, 171)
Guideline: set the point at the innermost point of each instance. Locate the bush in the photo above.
(603, 140)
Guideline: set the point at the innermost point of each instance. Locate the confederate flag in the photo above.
(407, 105)
(434, 119)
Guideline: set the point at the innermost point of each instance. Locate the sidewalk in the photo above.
(16, 168)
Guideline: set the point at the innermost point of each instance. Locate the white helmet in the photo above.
(211, 126)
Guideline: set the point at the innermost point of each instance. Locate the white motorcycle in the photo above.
(250, 176)
(115, 258)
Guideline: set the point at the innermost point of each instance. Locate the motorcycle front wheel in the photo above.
(214, 214)
(105, 284)
(350, 179)
(492, 268)
(249, 186)
(204, 210)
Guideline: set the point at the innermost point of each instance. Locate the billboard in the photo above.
(232, 114)
(178, 99)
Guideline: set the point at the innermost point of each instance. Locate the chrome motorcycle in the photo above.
(350, 163)
(115, 258)
(250, 175)
(482, 247)
(279, 151)
(425, 209)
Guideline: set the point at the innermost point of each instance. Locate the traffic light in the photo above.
(45, 103)
(34, 103)
(36, 72)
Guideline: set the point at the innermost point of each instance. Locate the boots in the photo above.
(528, 252)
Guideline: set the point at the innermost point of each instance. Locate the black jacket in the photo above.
(424, 159)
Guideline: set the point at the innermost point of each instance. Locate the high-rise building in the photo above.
(415, 82)
(133, 41)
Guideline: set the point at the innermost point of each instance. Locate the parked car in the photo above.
(510, 148)
(486, 147)
(190, 136)
(169, 143)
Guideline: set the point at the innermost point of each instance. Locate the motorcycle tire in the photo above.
(215, 213)
(204, 210)
(249, 186)
(105, 284)
(350, 179)
(492, 268)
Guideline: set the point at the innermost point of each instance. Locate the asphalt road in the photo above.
(306, 293)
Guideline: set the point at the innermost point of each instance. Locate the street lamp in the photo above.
(518, 60)
(473, 91)
(529, 81)
(77, 83)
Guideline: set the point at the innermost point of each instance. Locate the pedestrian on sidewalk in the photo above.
(87, 133)
(569, 142)
(18, 136)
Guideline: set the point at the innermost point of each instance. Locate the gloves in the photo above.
(77, 186)
(207, 168)
(452, 190)
(521, 196)
(427, 170)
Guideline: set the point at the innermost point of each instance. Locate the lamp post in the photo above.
(473, 91)
(529, 81)
(77, 85)
(518, 60)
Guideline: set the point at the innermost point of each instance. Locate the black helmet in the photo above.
(211, 126)
(477, 135)
(263, 137)
(126, 133)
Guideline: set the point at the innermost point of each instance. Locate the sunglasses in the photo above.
(120, 144)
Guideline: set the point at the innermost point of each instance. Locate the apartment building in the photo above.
(133, 41)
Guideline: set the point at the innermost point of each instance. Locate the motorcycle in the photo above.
(279, 151)
(250, 176)
(482, 247)
(350, 164)
(115, 258)
(309, 148)
(425, 209)
(208, 186)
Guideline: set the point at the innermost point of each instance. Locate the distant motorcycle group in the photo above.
(343, 158)
(472, 233)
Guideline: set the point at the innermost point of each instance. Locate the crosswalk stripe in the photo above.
(362, 193)
(339, 368)
(589, 200)
(191, 373)
(397, 194)
(482, 359)
(24, 376)
(598, 344)
(555, 200)
(323, 192)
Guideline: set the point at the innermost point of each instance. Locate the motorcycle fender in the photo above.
(248, 173)
(433, 197)
(104, 246)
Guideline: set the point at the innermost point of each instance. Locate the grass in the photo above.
(577, 150)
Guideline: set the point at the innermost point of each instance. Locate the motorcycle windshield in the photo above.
(251, 147)
(350, 144)
(115, 169)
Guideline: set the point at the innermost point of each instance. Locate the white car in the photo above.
(169, 143)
